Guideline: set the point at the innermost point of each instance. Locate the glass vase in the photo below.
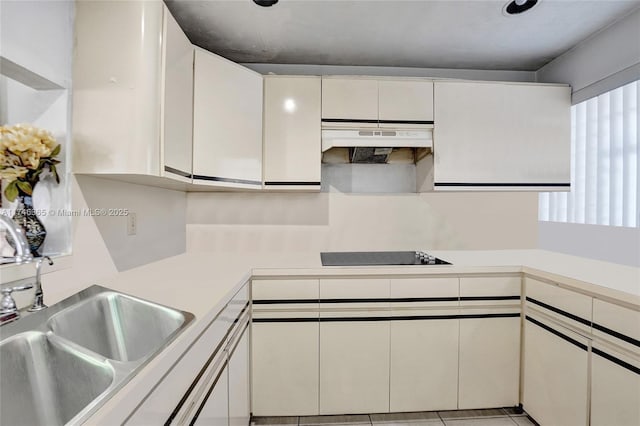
(26, 217)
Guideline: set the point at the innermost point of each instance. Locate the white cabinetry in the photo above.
(615, 365)
(292, 132)
(354, 346)
(615, 387)
(214, 408)
(424, 344)
(350, 99)
(501, 136)
(239, 394)
(285, 347)
(177, 101)
(227, 123)
(373, 102)
(405, 100)
(210, 381)
(556, 374)
(132, 94)
(490, 325)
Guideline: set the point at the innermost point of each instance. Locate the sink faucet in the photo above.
(23, 252)
(8, 309)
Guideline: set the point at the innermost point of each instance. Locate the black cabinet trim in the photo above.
(389, 318)
(557, 333)
(616, 360)
(503, 184)
(296, 183)
(195, 381)
(227, 180)
(559, 311)
(616, 334)
(384, 300)
(177, 172)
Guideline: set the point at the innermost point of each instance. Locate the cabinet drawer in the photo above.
(566, 305)
(285, 290)
(490, 290)
(424, 292)
(617, 324)
(340, 294)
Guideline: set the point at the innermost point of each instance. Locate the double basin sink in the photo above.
(57, 366)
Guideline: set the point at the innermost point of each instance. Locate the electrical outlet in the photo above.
(132, 224)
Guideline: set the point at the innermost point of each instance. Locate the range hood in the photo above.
(374, 145)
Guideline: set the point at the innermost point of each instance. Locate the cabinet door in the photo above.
(555, 374)
(227, 123)
(285, 368)
(501, 136)
(354, 367)
(239, 407)
(615, 388)
(177, 102)
(292, 132)
(424, 365)
(354, 99)
(354, 345)
(489, 362)
(405, 100)
(214, 410)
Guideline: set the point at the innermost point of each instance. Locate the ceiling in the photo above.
(465, 34)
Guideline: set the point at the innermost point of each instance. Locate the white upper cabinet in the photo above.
(292, 133)
(405, 100)
(177, 102)
(131, 93)
(227, 123)
(501, 136)
(371, 102)
(350, 99)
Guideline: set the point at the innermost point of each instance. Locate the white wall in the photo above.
(280, 222)
(606, 60)
(609, 243)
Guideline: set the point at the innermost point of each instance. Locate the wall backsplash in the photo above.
(286, 222)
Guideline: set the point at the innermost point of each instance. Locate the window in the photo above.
(605, 163)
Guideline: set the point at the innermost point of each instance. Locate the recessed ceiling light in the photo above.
(265, 3)
(517, 7)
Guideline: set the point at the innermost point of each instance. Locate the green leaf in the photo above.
(11, 191)
(24, 187)
(54, 171)
(56, 151)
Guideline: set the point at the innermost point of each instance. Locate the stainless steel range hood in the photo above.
(374, 145)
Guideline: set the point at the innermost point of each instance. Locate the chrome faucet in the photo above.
(23, 251)
(38, 298)
(8, 309)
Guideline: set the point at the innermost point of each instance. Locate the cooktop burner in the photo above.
(368, 258)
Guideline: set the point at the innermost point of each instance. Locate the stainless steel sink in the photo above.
(57, 366)
(117, 326)
(43, 381)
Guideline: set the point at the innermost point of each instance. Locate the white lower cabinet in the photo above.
(489, 362)
(285, 368)
(354, 367)
(214, 409)
(424, 365)
(239, 398)
(615, 388)
(556, 374)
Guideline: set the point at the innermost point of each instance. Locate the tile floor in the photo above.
(489, 417)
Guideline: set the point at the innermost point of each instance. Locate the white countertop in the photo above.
(202, 283)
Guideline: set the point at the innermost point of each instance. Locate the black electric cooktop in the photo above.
(369, 258)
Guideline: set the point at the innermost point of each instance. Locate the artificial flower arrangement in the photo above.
(25, 152)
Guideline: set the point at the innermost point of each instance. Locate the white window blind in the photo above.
(605, 183)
